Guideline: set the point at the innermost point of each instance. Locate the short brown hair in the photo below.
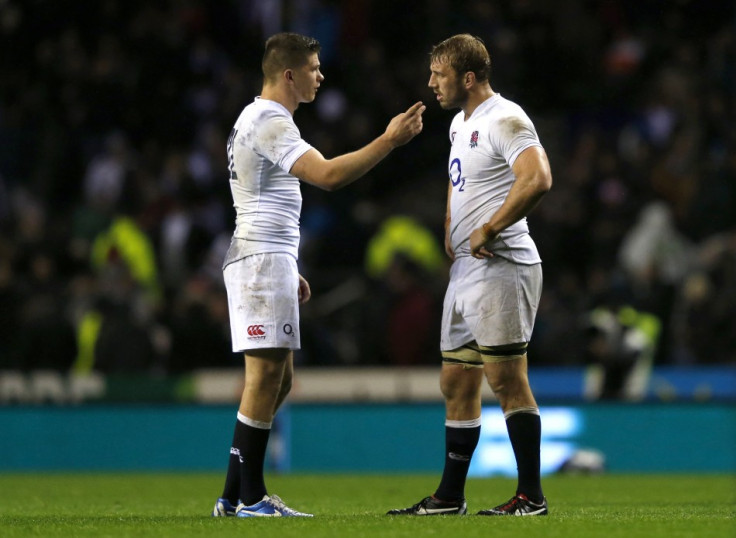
(464, 53)
(286, 51)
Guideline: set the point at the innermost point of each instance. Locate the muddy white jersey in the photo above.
(263, 146)
(484, 148)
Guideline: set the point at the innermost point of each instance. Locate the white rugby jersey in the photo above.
(263, 146)
(484, 148)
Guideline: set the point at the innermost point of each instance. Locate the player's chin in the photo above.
(307, 98)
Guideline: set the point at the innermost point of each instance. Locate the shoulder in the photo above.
(505, 112)
(266, 123)
(263, 110)
(507, 120)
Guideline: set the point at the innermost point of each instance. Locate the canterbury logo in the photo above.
(235, 452)
(256, 330)
(458, 457)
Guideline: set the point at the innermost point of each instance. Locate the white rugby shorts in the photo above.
(262, 296)
(492, 301)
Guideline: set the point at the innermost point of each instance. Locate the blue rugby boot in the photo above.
(269, 506)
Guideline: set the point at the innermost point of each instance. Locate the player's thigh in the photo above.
(510, 382)
(458, 381)
(461, 388)
(510, 370)
(461, 381)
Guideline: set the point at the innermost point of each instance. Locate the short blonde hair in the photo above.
(464, 53)
(287, 51)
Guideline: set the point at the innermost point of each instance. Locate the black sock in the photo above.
(525, 432)
(231, 491)
(459, 446)
(253, 454)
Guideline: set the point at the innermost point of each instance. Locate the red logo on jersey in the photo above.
(256, 331)
(474, 139)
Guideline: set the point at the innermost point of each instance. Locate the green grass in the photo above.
(177, 505)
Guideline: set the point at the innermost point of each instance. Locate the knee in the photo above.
(461, 390)
(272, 374)
(453, 391)
(505, 383)
(512, 391)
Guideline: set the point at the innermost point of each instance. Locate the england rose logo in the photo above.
(474, 139)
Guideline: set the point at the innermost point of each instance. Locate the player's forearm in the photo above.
(533, 181)
(345, 169)
(524, 196)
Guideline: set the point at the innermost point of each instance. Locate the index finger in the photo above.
(414, 109)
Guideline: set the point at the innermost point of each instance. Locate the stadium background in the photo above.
(114, 217)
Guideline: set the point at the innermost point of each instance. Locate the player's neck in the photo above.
(279, 95)
(477, 97)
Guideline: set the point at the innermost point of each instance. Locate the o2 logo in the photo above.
(456, 175)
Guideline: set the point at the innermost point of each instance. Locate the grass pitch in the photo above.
(178, 505)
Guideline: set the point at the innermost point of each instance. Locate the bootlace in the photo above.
(281, 506)
(511, 504)
(421, 504)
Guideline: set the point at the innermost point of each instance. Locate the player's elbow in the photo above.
(535, 163)
(331, 182)
(544, 182)
(332, 177)
(325, 177)
(327, 186)
(313, 168)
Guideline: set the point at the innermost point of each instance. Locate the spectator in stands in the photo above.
(639, 115)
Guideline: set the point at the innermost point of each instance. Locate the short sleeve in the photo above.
(277, 138)
(513, 135)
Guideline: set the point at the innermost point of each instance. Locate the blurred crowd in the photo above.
(115, 210)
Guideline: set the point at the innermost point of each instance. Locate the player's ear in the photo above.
(469, 78)
(289, 75)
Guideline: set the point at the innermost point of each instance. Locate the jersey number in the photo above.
(456, 175)
(230, 154)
